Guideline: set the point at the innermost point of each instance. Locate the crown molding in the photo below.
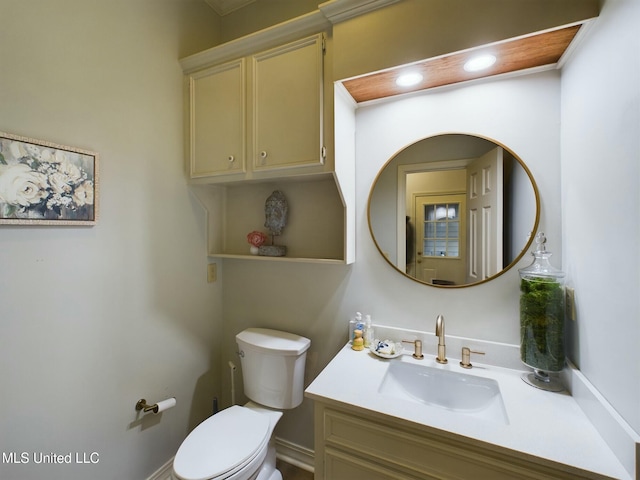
(340, 10)
(308, 24)
(317, 21)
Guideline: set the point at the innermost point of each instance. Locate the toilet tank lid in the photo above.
(274, 341)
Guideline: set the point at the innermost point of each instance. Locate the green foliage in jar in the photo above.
(542, 323)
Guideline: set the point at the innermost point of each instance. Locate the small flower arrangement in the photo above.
(256, 238)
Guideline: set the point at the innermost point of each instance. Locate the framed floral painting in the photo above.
(46, 184)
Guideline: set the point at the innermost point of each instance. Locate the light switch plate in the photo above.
(212, 273)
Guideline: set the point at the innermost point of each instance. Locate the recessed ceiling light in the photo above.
(409, 79)
(479, 62)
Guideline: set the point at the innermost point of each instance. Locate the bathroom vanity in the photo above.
(404, 418)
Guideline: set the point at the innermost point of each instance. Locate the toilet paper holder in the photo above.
(143, 405)
(155, 408)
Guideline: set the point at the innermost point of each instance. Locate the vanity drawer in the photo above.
(384, 450)
(340, 465)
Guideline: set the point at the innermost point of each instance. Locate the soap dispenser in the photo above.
(368, 332)
(542, 311)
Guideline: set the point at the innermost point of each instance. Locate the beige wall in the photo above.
(262, 14)
(94, 318)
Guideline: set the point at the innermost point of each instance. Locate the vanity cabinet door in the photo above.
(288, 105)
(217, 120)
(350, 444)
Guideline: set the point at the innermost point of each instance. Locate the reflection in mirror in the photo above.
(453, 210)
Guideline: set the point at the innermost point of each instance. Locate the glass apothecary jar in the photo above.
(542, 311)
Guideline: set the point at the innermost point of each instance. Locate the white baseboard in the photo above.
(294, 454)
(164, 472)
(286, 451)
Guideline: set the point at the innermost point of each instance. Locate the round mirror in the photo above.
(453, 210)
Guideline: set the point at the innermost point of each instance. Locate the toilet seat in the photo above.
(223, 445)
(247, 470)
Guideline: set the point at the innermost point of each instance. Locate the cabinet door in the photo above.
(287, 105)
(217, 123)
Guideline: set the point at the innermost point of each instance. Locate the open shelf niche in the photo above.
(315, 230)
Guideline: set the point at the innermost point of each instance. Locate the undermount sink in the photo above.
(456, 392)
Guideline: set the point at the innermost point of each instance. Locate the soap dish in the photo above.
(381, 348)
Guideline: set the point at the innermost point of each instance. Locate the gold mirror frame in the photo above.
(526, 247)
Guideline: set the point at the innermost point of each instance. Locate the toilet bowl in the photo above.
(237, 443)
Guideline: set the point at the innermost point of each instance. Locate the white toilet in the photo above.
(237, 443)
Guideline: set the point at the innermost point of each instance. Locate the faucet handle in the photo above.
(418, 348)
(466, 357)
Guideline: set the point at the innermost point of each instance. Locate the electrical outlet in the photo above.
(571, 303)
(212, 273)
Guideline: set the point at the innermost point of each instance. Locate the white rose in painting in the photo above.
(59, 157)
(33, 150)
(45, 156)
(59, 182)
(83, 194)
(41, 154)
(19, 185)
(17, 150)
(71, 171)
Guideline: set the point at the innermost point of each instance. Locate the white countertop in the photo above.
(543, 424)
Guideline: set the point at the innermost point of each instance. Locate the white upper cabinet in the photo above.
(288, 105)
(217, 120)
(279, 128)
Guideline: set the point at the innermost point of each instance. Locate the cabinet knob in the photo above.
(231, 159)
(263, 154)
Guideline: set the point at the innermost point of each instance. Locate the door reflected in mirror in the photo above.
(453, 210)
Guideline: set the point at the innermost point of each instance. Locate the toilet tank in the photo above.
(273, 366)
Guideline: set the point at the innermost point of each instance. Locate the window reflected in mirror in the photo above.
(441, 227)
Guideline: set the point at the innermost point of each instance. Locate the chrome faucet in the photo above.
(442, 349)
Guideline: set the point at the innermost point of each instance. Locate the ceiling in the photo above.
(223, 7)
(521, 53)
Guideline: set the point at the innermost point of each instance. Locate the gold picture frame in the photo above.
(42, 183)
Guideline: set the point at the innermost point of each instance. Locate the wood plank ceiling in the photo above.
(522, 53)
